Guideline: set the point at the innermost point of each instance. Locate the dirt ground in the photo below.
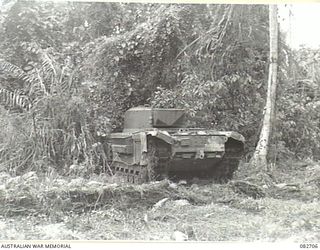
(54, 208)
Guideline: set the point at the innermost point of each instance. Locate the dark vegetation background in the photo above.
(68, 72)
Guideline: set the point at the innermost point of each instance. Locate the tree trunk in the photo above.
(259, 159)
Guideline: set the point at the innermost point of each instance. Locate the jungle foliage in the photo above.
(68, 71)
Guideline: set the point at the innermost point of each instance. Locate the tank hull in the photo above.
(145, 155)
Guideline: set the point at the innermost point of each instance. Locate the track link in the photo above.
(134, 174)
(139, 174)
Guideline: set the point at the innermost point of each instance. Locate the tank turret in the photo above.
(147, 118)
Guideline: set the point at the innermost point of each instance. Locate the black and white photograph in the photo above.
(159, 122)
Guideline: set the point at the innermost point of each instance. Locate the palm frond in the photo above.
(8, 68)
(14, 99)
(214, 36)
(47, 70)
(46, 64)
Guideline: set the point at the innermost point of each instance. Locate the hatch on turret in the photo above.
(146, 117)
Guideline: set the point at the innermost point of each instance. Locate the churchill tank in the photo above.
(156, 144)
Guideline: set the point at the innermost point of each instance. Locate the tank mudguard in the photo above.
(162, 135)
(233, 135)
(141, 143)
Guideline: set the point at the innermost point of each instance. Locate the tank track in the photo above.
(129, 173)
(138, 174)
(223, 172)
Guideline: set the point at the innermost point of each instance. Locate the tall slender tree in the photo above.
(259, 159)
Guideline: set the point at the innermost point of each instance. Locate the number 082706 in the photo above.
(308, 246)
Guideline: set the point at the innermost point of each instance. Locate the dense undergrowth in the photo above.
(63, 91)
